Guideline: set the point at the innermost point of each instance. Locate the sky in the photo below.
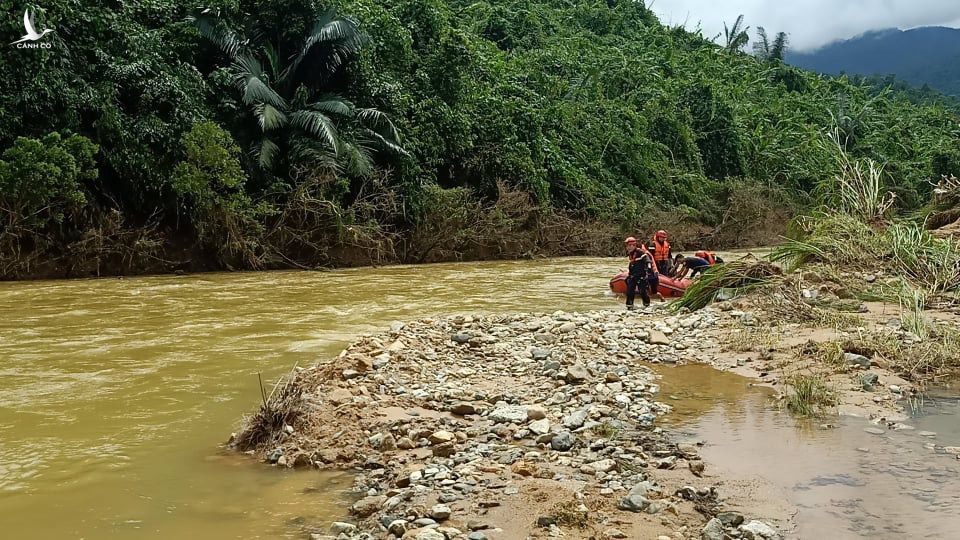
(810, 23)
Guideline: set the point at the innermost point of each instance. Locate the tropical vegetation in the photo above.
(297, 133)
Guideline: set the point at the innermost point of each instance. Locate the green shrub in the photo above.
(41, 180)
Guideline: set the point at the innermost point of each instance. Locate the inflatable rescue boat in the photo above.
(668, 287)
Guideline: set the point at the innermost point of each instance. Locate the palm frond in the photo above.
(341, 37)
(379, 122)
(384, 143)
(779, 48)
(317, 124)
(356, 159)
(333, 105)
(266, 153)
(762, 46)
(217, 32)
(306, 150)
(273, 60)
(269, 117)
(251, 80)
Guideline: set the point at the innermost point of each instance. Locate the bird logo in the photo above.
(32, 34)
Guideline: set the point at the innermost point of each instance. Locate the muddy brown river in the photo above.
(116, 394)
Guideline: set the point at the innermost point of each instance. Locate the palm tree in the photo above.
(294, 114)
(736, 35)
(769, 52)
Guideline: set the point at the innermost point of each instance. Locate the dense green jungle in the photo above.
(152, 136)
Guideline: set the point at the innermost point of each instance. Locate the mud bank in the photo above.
(512, 426)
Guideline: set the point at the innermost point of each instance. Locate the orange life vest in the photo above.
(709, 256)
(661, 251)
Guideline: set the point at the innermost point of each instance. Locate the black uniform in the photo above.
(638, 277)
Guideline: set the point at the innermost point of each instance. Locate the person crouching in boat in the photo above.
(638, 273)
(662, 254)
(709, 256)
(693, 265)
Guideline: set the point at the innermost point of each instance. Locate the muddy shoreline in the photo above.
(513, 426)
(535, 425)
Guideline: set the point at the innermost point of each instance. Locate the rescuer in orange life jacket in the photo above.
(695, 265)
(639, 272)
(662, 254)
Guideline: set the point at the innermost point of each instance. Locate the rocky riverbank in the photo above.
(512, 426)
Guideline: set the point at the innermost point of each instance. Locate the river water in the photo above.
(116, 394)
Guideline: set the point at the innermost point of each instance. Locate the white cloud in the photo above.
(810, 23)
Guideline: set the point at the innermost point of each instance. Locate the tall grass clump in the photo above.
(911, 314)
(829, 237)
(930, 261)
(857, 188)
(741, 274)
(810, 395)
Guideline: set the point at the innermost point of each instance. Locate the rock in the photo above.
(562, 441)
(730, 519)
(397, 527)
(338, 527)
(874, 431)
(576, 374)
(551, 366)
(668, 462)
(868, 380)
(446, 449)
(536, 412)
(870, 278)
(406, 444)
(658, 338)
(633, 503)
(952, 449)
(523, 468)
(758, 530)
(275, 455)
(540, 427)
(463, 409)
(546, 521)
(604, 465)
(474, 525)
(540, 354)
(283, 461)
(367, 506)
(448, 497)
(713, 530)
(688, 451)
(927, 433)
(615, 533)
(575, 419)
(460, 337)
(440, 512)
(429, 534)
(856, 360)
(508, 414)
(340, 395)
(696, 467)
(567, 327)
(440, 437)
(476, 535)
(383, 442)
(349, 374)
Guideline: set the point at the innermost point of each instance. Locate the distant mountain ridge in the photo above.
(922, 56)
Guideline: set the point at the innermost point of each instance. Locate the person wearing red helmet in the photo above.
(639, 271)
(662, 254)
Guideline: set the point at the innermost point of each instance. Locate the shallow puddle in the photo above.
(846, 482)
